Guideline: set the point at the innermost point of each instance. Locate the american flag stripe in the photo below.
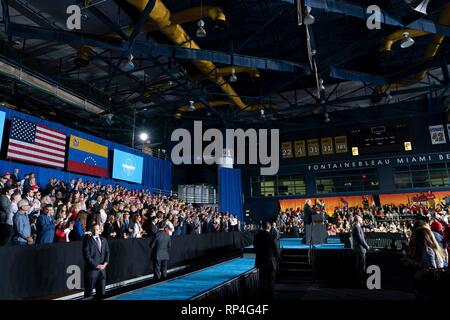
(35, 143)
(52, 132)
(28, 150)
(34, 160)
(57, 141)
(50, 143)
(29, 146)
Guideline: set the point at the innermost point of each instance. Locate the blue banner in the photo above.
(127, 166)
(2, 126)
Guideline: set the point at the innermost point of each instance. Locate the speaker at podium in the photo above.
(316, 231)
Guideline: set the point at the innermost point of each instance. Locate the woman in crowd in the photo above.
(119, 227)
(137, 228)
(428, 251)
(79, 229)
(108, 227)
(103, 211)
(63, 225)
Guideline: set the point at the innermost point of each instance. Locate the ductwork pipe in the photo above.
(226, 71)
(161, 17)
(430, 53)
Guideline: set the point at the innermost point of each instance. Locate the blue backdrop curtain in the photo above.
(230, 192)
(157, 173)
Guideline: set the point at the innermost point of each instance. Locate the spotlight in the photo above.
(143, 136)
(201, 32)
(308, 19)
(326, 118)
(191, 106)
(322, 87)
(233, 77)
(313, 52)
(407, 41)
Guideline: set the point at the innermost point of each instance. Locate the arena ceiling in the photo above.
(261, 39)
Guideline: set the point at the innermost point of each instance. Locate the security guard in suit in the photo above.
(160, 246)
(96, 257)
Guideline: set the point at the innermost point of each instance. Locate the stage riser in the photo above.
(243, 288)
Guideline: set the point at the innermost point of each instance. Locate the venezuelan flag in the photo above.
(87, 157)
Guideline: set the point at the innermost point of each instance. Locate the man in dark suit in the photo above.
(360, 247)
(266, 260)
(153, 227)
(96, 257)
(160, 246)
(308, 212)
(5, 229)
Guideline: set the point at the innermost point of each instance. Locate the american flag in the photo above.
(32, 142)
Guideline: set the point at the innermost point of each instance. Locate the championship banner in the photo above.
(87, 157)
(327, 145)
(341, 144)
(286, 150)
(448, 130)
(437, 134)
(313, 147)
(300, 148)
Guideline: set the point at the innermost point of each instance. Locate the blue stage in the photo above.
(191, 285)
(296, 243)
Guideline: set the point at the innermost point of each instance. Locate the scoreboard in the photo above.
(380, 139)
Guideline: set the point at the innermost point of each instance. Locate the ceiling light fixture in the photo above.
(309, 19)
(407, 41)
(326, 118)
(322, 87)
(388, 95)
(191, 106)
(129, 65)
(233, 77)
(201, 32)
(263, 115)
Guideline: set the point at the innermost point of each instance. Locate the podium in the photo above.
(316, 232)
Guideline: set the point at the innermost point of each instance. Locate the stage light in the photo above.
(262, 112)
(326, 118)
(407, 41)
(408, 146)
(309, 19)
(143, 136)
(355, 151)
(201, 32)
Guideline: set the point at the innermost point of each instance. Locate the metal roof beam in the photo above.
(69, 37)
(359, 11)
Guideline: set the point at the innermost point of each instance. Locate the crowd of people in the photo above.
(65, 211)
(386, 218)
